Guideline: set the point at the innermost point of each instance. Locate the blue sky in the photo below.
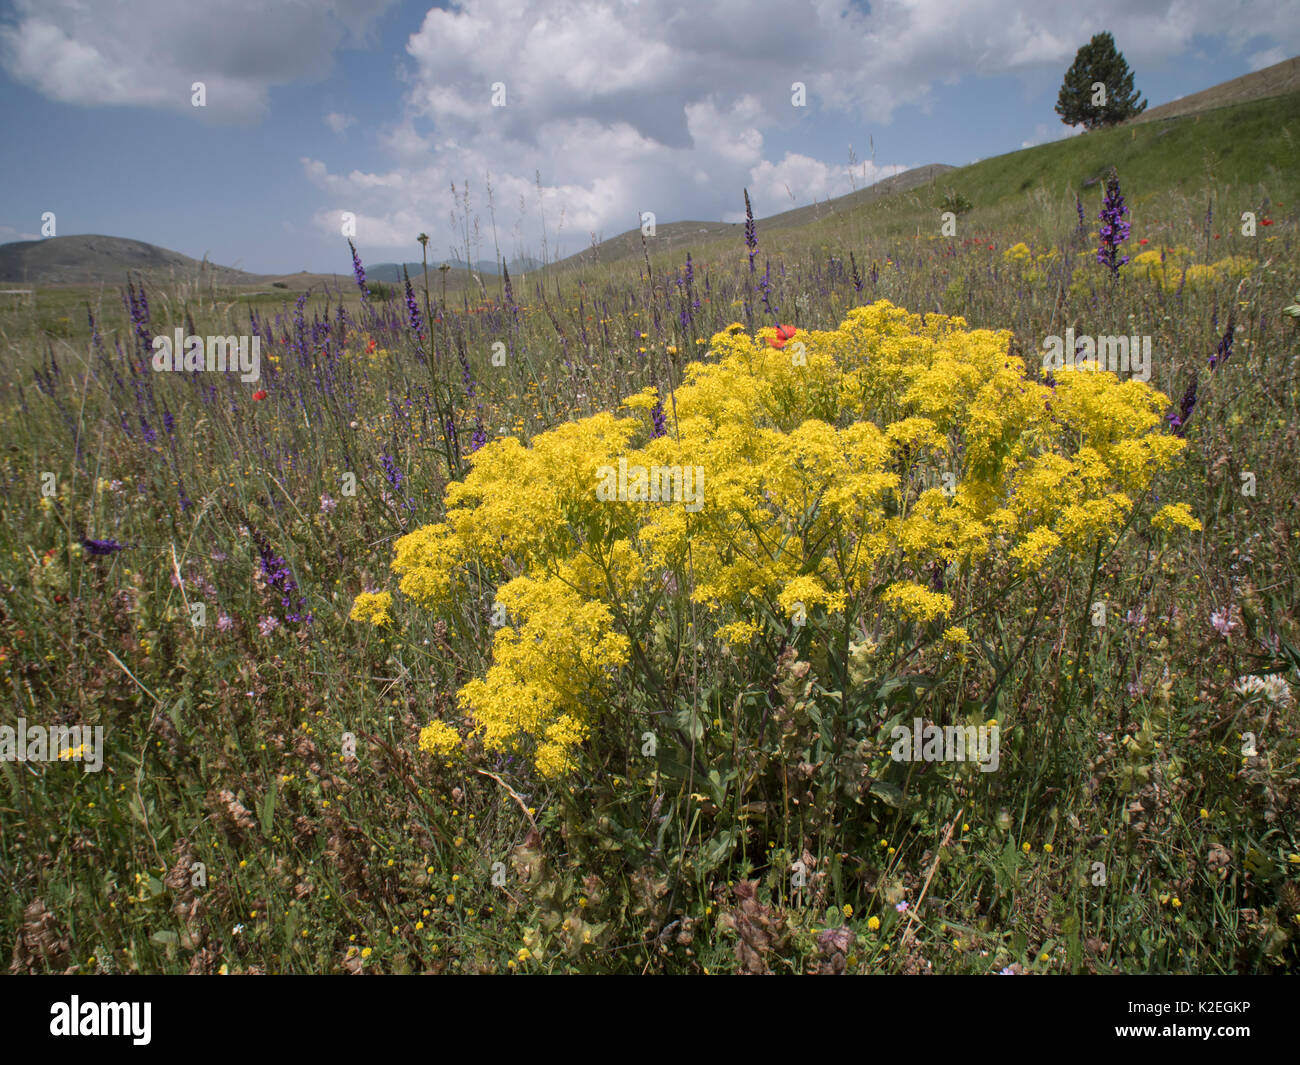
(614, 106)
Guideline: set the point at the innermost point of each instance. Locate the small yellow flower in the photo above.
(372, 607)
(848, 910)
(1026, 847)
(366, 952)
(1047, 847)
(873, 923)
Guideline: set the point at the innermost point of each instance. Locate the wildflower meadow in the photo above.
(910, 590)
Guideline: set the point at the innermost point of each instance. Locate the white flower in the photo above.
(1272, 687)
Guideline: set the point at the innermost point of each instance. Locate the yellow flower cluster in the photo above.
(372, 607)
(817, 478)
(1020, 255)
(439, 738)
(1169, 274)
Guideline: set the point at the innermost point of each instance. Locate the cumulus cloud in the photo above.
(148, 53)
(613, 107)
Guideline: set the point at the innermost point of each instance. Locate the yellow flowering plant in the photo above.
(890, 477)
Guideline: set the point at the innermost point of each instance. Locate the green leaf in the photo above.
(889, 794)
(165, 939)
(690, 722)
(268, 808)
(717, 851)
(718, 787)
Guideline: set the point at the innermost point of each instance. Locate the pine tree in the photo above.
(1079, 103)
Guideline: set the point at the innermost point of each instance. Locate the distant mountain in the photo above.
(392, 272)
(90, 258)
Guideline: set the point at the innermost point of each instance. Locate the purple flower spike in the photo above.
(100, 548)
(1114, 227)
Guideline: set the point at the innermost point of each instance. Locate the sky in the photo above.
(603, 109)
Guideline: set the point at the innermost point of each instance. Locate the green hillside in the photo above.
(1232, 159)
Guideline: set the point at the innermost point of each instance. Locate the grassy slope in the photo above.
(1225, 158)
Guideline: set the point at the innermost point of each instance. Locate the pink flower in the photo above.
(1224, 621)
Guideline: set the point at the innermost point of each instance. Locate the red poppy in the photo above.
(990, 247)
(1143, 240)
(1266, 221)
(1216, 236)
(260, 394)
(783, 333)
(370, 348)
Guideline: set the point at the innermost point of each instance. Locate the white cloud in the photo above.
(339, 122)
(630, 105)
(798, 180)
(1268, 57)
(1046, 134)
(9, 234)
(148, 53)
